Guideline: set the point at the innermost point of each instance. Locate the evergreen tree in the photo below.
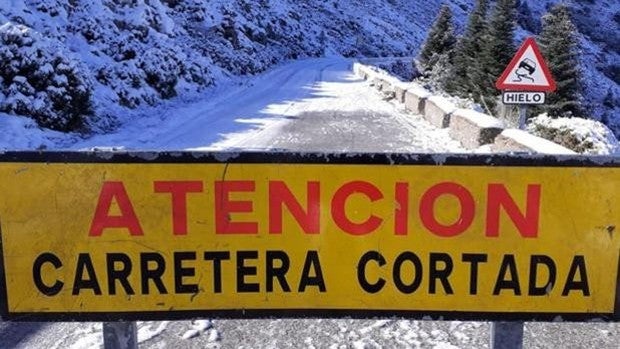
(560, 47)
(439, 42)
(41, 82)
(468, 49)
(497, 51)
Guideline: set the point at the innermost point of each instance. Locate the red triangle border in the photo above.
(501, 84)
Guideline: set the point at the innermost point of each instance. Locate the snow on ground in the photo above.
(22, 133)
(134, 53)
(581, 135)
(311, 333)
(339, 113)
(310, 105)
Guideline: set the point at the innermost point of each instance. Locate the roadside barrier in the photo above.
(473, 129)
(415, 98)
(437, 111)
(520, 140)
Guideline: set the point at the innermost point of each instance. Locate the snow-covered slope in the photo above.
(137, 52)
(598, 22)
(132, 53)
(308, 105)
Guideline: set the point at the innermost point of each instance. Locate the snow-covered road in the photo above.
(311, 105)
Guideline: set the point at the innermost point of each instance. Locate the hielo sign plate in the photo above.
(520, 97)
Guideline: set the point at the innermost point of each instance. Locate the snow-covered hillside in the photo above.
(598, 22)
(130, 53)
(126, 54)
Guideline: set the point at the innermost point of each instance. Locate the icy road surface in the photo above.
(307, 105)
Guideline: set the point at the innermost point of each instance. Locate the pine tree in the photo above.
(498, 49)
(439, 42)
(560, 47)
(468, 49)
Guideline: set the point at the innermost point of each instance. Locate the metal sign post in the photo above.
(120, 335)
(524, 82)
(522, 116)
(507, 335)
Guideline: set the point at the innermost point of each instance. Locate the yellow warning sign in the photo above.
(154, 238)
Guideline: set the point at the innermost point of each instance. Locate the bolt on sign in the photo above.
(109, 236)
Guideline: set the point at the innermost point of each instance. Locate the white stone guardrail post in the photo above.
(471, 128)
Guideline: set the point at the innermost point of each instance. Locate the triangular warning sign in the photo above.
(527, 71)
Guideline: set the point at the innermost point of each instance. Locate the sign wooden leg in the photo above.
(120, 335)
(507, 335)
